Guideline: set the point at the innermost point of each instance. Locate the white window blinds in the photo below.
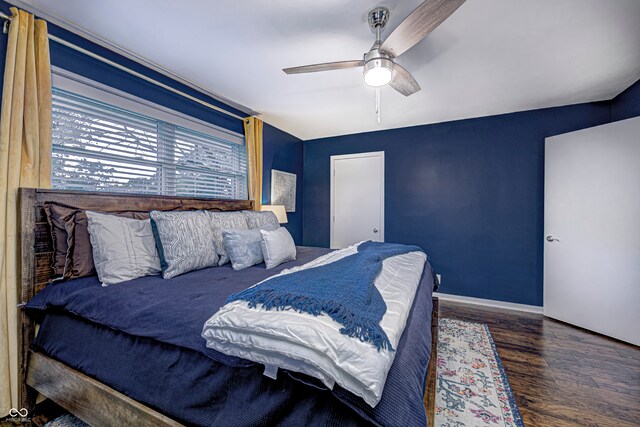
(102, 147)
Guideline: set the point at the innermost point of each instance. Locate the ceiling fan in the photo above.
(379, 65)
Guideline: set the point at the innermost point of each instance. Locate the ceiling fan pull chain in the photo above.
(378, 104)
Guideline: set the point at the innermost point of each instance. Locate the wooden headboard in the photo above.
(36, 246)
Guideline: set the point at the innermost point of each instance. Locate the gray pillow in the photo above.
(184, 241)
(259, 219)
(244, 246)
(123, 248)
(221, 221)
(277, 247)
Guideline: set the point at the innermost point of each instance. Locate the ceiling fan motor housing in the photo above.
(378, 18)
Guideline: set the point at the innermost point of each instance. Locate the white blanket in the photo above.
(313, 345)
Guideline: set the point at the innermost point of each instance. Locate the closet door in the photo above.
(592, 229)
(357, 198)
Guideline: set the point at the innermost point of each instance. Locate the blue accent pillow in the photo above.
(184, 241)
(244, 247)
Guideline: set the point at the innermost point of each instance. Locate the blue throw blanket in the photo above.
(343, 289)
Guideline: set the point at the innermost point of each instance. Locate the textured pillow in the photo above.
(58, 237)
(244, 246)
(259, 219)
(277, 247)
(221, 221)
(184, 241)
(72, 252)
(123, 248)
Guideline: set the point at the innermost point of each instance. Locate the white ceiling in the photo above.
(489, 57)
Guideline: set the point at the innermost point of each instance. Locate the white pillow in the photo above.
(277, 247)
(123, 248)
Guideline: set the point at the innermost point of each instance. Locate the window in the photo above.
(99, 146)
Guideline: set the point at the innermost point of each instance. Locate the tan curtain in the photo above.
(253, 136)
(25, 161)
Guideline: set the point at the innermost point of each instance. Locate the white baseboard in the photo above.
(490, 303)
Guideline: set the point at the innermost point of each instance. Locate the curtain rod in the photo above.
(63, 42)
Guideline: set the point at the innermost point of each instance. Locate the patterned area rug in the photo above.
(472, 387)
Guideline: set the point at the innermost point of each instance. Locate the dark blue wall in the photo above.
(469, 192)
(279, 147)
(283, 152)
(627, 104)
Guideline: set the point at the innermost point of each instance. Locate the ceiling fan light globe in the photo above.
(377, 77)
(378, 72)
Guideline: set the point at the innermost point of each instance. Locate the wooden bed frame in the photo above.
(88, 399)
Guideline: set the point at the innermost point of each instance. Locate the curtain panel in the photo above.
(25, 161)
(253, 137)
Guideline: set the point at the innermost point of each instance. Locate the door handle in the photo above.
(375, 230)
(552, 239)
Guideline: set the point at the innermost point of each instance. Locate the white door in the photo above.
(357, 198)
(592, 229)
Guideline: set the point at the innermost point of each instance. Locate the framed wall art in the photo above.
(283, 189)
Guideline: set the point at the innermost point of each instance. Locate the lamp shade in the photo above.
(281, 214)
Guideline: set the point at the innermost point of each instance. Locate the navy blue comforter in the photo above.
(143, 339)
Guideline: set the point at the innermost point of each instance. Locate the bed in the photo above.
(128, 382)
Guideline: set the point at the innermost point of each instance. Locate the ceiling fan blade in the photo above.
(404, 82)
(327, 66)
(424, 19)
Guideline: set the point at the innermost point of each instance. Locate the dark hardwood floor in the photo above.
(561, 375)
